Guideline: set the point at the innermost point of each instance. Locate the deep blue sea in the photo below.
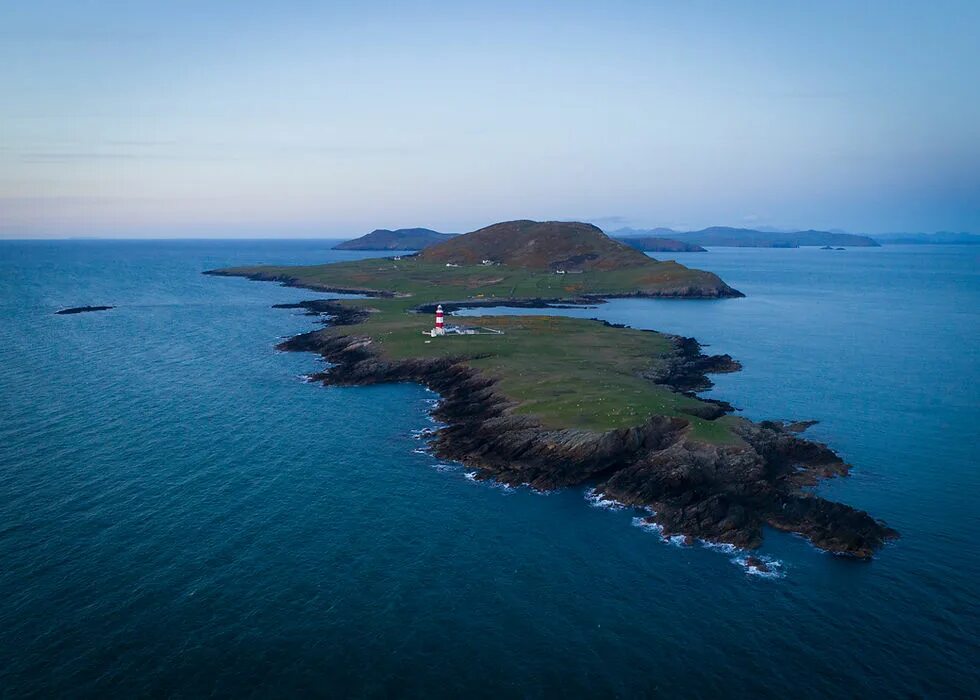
(181, 515)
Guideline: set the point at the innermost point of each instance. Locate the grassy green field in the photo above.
(427, 281)
(568, 373)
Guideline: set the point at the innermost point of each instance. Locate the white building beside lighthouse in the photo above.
(441, 329)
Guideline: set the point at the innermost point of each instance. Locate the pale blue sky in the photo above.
(303, 118)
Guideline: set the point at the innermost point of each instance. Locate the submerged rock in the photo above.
(757, 564)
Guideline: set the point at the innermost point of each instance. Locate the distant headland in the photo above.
(656, 244)
(649, 240)
(725, 236)
(552, 401)
(399, 239)
(937, 238)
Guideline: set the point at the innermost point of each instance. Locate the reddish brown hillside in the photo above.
(546, 245)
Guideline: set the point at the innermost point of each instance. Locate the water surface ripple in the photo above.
(181, 515)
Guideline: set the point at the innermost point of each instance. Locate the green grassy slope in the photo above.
(431, 281)
(568, 373)
(538, 245)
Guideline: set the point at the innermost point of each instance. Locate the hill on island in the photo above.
(534, 245)
(549, 401)
(656, 244)
(725, 236)
(399, 239)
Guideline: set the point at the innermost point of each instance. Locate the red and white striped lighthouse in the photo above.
(440, 321)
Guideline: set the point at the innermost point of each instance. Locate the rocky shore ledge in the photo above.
(722, 493)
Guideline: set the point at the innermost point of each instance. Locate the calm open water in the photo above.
(181, 515)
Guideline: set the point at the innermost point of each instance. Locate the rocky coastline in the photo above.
(719, 493)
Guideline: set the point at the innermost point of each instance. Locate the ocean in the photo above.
(181, 514)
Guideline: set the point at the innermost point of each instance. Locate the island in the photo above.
(553, 402)
(81, 310)
(726, 236)
(399, 239)
(937, 238)
(656, 244)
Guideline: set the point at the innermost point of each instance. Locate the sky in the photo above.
(326, 119)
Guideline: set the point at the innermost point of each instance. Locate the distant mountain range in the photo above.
(399, 239)
(656, 244)
(948, 237)
(669, 240)
(725, 236)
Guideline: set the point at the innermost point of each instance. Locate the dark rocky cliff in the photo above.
(718, 493)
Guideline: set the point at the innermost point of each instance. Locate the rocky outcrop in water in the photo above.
(82, 310)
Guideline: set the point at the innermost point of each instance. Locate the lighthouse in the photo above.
(440, 328)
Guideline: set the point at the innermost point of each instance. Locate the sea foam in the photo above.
(598, 500)
(506, 488)
(773, 567)
(445, 466)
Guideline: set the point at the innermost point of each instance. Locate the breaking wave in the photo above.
(446, 466)
(760, 565)
(723, 547)
(493, 483)
(641, 522)
(598, 500)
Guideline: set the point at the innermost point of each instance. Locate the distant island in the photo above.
(724, 236)
(421, 238)
(560, 246)
(655, 244)
(551, 401)
(399, 239)
(938, 238)
(666, 240)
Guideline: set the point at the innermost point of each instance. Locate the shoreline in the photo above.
(694, 489)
